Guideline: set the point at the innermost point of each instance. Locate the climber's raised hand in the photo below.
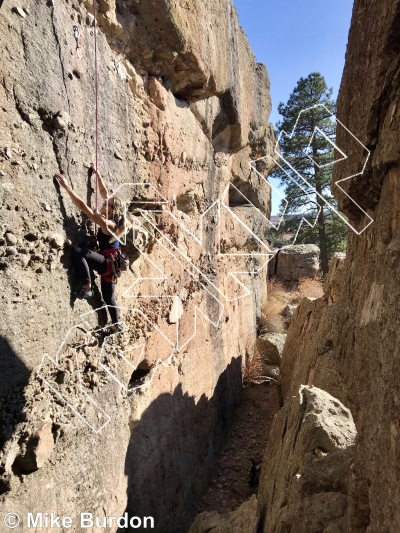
(62, 181)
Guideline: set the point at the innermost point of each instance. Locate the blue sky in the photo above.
(294, 38)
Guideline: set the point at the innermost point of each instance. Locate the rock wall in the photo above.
(183, 107)
(312, 442)
(347, 342)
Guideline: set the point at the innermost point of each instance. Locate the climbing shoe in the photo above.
(109, 331)
(82, 294)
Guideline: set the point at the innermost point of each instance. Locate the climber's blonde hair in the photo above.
(119, 208)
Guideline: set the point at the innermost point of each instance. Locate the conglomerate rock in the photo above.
(183, 107)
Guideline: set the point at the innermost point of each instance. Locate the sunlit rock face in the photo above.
(183, 108)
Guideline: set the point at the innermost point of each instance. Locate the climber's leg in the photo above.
(83, 259)
(108, 290)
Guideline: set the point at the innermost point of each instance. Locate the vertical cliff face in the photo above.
(183, 107)
(347, 343)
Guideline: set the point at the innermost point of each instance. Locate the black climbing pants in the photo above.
(84, 260)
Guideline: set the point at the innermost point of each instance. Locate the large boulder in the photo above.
(307, 465)
(270, 347)
(297, 261)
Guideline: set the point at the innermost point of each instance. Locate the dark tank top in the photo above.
(104, 239)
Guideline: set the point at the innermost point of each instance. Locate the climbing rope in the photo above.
(96, 103)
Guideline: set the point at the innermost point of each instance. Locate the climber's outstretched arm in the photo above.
(102, 188)
(81, 204)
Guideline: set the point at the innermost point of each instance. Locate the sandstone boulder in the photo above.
(348, 341)
(306, 466)
(297, 261)
(270, 347)
(313, 358)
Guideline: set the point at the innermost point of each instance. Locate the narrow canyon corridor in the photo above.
(231, 481)
(175, 348)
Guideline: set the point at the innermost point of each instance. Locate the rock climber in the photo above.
(111, 220)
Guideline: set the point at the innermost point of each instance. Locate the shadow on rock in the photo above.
(14, 377)
(172, 451)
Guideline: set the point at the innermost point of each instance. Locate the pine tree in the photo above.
(329, 231)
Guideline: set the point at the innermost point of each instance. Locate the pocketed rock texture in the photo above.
(183, 108)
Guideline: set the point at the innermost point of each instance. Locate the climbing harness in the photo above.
(117, 262)
(113, 271)
(77, 35)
